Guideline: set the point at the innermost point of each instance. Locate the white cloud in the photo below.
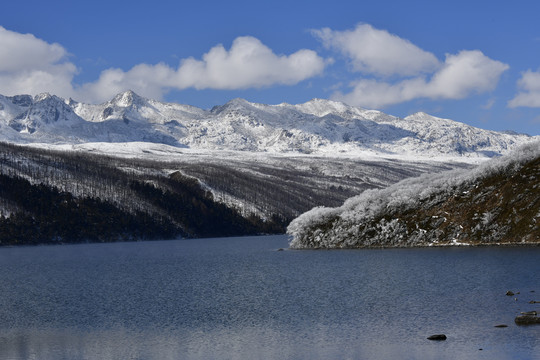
(461, 75)
(31, 65)
(147, 80)
(378, 52)
(530, 96)
(377, 94)
(470, 71)
(416, 73)
(248, 64)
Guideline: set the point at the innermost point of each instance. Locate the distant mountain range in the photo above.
(316, 127)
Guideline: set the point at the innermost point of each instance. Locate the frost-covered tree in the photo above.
(498, 201)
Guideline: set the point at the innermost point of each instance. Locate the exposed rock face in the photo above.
(527, 320)
(498, 202)
(438, 337)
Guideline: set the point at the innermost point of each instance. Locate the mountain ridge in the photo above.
(316, 127)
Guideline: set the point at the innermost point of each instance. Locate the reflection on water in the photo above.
(249, 343)
(239, 298)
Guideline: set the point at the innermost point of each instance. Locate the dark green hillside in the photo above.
(47, 215)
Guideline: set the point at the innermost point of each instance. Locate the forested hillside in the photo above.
(51, 197)
(76, 196)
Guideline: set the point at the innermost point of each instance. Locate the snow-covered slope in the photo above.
(496, 202)
(318, 126)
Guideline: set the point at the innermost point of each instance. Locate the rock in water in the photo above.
(437, 337)
(527, 320)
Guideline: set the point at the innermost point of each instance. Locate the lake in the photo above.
(240, 298)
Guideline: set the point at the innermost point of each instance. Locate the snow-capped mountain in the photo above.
(318, 126)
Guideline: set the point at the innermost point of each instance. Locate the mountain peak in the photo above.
(49, 100)
(43, 96)
(420, 115)
(325, 102)
(322, 107)
(127, 98)
(234, 104)
(239, 102)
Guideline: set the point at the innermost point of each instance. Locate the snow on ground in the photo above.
(163, 152)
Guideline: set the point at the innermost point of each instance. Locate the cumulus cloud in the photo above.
(465, 73)
(151, 81)
(378, 54)
(530, 94)
(461, 75)
(31, 65)
(377, 51)
(248, 64)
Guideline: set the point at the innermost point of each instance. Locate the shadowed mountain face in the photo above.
(318, 126)
(498, 202)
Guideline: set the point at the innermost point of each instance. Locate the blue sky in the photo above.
(476, 62)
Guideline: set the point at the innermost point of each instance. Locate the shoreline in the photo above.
(460, 245)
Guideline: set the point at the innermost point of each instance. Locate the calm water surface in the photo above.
(239, 298)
